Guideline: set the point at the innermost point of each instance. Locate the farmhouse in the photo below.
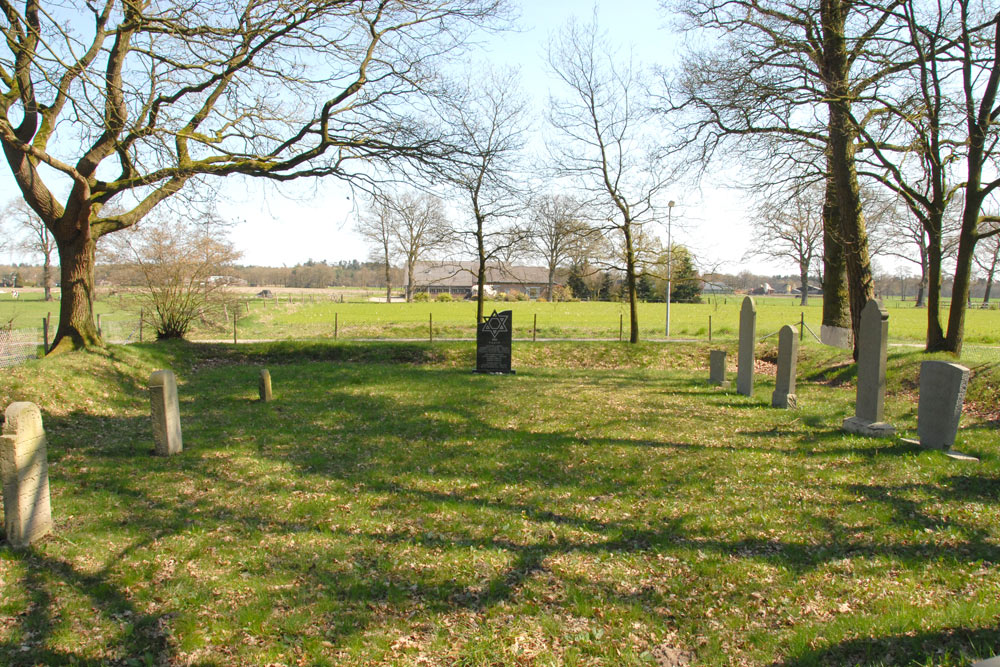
(459, 279)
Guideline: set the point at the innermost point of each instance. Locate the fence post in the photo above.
(247, 304)
(534, 328)
(802, 325)
(235, 318)
(45, 333)
(336, 325)
(142, 318)
(99, 333)
(430, 326)
(709, 328)
(621, 326)
(225, 313)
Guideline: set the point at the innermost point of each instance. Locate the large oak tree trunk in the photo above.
(842, 146)
(76, 306)
(836, 308)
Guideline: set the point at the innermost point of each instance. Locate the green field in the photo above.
(601, 507)
(317, 318)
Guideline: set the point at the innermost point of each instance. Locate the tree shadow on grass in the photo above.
(143, 635)
(406, 451)
(959, 645)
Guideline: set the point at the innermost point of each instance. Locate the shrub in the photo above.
(562, 293)
(443, 297)
(516, 295)
(421, 297)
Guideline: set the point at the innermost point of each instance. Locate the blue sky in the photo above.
(314, 220)
(316, 223)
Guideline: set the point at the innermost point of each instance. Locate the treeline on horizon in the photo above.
(353, 273)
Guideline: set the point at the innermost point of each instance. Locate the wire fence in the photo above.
(19, 345)
(120, 332)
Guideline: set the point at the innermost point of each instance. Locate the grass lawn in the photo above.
(603, 506)
(318, 316)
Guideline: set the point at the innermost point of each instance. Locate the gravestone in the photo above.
(788, 361)
(717, 368)
(165, 413)
(493, 342)
(872, 346)
(748, 340)
(264, 386)
(988, 662)
(24, 469)
(841, 337)
(942, 393)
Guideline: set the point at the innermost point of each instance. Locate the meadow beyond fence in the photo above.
(325, 314)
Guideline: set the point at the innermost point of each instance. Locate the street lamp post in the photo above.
(670, 257)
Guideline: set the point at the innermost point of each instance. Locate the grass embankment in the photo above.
(603, 506)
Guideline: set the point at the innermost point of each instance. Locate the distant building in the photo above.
(226, 280)
(459, 279)
(716, 288)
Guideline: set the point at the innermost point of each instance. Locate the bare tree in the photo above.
(607, 148)
(988, 260)
(152, 95)
(35, 238)
(922, 133)
(489, 122)
(792, 230)
(558, 232)
(899, 234)
(778, 86)
(420, 227)
(376, 227)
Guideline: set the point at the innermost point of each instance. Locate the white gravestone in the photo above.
(25, 471)
(788, 359)
(264, 386)
(717, 368)
(748, 341)
(869, 406)
(165, 412)
(942, 393)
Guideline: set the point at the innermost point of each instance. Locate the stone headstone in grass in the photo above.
(717, 368)
(989, 662)
(493, 343)
(748, 341)
(264, 385)
(841, 337)
(942, 393)
(788, 360)
(869, 406)
(24, 469)
(165, 413)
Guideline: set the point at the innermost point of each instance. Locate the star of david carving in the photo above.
(496, 324)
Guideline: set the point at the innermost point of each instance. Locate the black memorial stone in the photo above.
(493, 338)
